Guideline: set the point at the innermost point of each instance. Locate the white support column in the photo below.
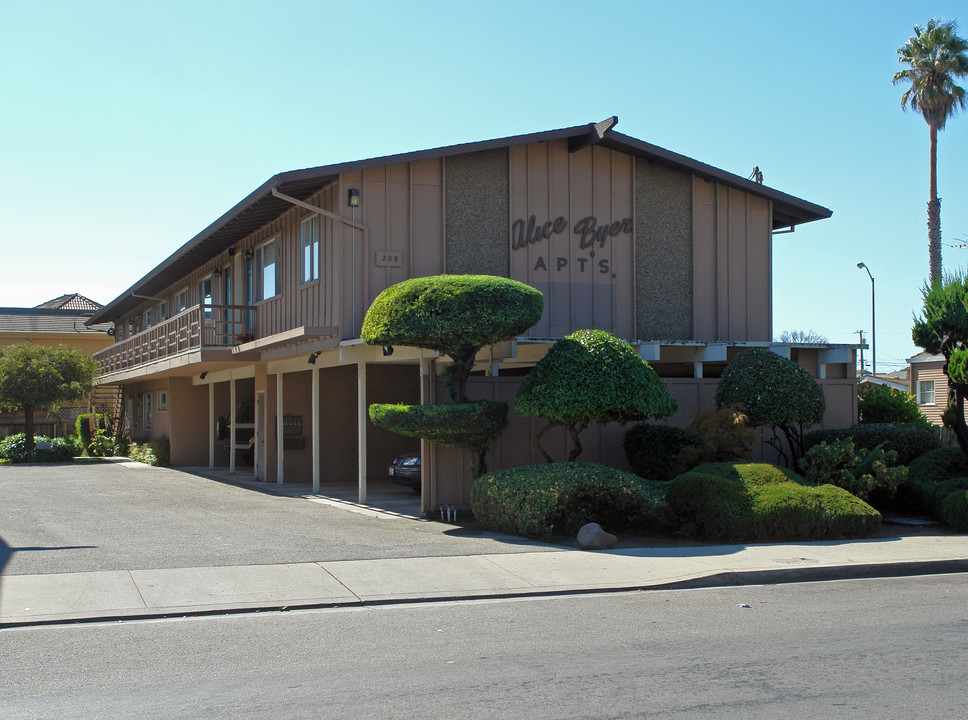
(232, 419)
(697, 370)
(361, 427)
(279, 450)
(259, 446)
(315, 429)
(211, 426)
(821, 371)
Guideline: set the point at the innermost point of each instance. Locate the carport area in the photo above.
(383, 497)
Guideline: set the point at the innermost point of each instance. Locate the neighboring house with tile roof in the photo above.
(60, 321)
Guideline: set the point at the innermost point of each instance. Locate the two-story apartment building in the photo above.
(247, 336)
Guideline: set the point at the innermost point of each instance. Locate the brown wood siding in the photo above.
(583, 288)
(732, 264)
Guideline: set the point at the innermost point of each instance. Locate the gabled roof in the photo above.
(48, 320)
(261, 206)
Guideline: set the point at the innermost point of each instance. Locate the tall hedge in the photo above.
(774, 392)
(590, 377)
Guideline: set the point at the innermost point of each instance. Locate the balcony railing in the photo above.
(202, 326)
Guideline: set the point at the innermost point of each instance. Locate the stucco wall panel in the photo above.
(664, 253)
(476, 203)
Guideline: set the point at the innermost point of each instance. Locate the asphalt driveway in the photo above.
(108, 516)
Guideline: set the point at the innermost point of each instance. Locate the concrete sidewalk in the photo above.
(113, 595)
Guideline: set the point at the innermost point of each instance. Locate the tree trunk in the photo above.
(537, 440)
(934, 215)
(960, 428)
(29, 426)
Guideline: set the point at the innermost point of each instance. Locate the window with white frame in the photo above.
(309, 234)
(181, 300)
(162, 311)
(267, 271)
(147, 319)
(925, 392)
(146, 406)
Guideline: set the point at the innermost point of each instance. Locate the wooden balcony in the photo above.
(217, 327)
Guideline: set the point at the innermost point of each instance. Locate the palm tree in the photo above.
(935, 56)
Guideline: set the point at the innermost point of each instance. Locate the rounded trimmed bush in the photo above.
(651, 449)
(471, 426)
(760, 502)
(558, 498)
(954, 510)
(450, 313)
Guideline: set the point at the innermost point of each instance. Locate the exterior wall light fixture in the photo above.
(312, 358)
(203, 375)
(247, 254)
(354, 198)
(217, 272)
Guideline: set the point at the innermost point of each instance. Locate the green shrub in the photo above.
(469, 426)
(938, 466)
(884, 404)
(864, 473)
(558, 498)
(775, 392)
(155, 452)
(908, 442)
(760, 502)
(721, 434)
(955, 510)
(712, 507)
(589, 377)
(14, 449)
(651, 450)
(86, 425)
(455, 315)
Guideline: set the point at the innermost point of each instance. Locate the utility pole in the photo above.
(861, 333)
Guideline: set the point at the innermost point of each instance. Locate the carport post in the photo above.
(211, 426)
(279, 454)
(361, 427)
(232, 419)
(315, 429)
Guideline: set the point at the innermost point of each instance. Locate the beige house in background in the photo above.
(929, 385)
(61, 321)
(247, 336)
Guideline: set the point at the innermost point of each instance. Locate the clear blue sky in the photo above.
(129, 127)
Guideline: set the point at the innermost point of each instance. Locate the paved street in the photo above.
(89, 517)
(890, 648)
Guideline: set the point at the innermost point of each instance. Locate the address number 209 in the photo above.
(389, 258)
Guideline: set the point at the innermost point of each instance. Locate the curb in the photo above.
(732, 578)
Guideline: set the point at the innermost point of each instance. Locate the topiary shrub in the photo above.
(469, 426)
(590, 377)
(884, 404)
(456, 315)
(558, 498)
(864, 473)
(759, 502)
(156, 452)
(774, 392)
(651, 450)
(908, 442)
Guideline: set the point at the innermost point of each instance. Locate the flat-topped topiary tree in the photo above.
(590, 377)
(456, 315)
(776, 392)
